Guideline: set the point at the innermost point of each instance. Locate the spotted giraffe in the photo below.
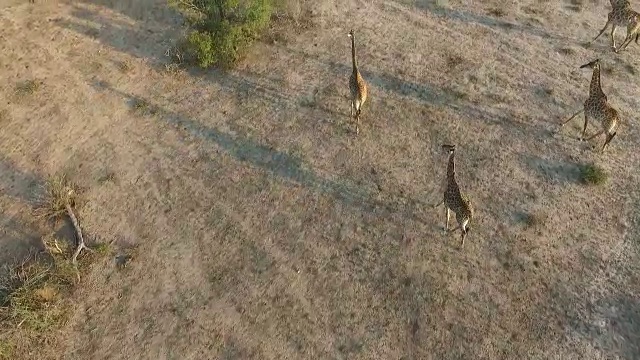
(454, 200)
(621, 14)
(597, 107)
(357, 85)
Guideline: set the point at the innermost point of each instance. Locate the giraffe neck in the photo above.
(353, 54)
(595, 89)
(451, 169)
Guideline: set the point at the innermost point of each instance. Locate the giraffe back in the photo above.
(357, 86)
(453, 198)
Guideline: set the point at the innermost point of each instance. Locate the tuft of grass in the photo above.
(630, 69)
(6, 350)
(32, 293)
(142, 107)
(534, 220)
(125, 66)
(58, 193)
(497, 12)
(27, 87)
(453, 61)
(593, 174)
(567, 51)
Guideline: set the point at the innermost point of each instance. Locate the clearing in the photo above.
(264, 229)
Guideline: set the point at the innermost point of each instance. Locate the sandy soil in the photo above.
(264, 229)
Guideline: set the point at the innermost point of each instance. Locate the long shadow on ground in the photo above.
(278, 163)
(17, 237)
(482, 20)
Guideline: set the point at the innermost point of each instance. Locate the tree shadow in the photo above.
(18, 184)
(148, 40)
(553, 170)
(17, 239)
(17, 236)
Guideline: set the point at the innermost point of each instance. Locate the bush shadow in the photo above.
(142, 39)
(553, 170)
(18, 237)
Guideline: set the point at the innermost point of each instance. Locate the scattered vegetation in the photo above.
(222, 29)
(34, 293)
(593, 174)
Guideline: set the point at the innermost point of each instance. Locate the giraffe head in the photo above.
(450, 149)
(351, 33)
(593, 64)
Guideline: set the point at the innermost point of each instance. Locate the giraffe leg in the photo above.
(584, 128)
(571, 118)
(613, 37)
(446, 226)
(631, 33)
(607, 141)
(357, 122)
(601, 31)
(352, 108)
(596, 134)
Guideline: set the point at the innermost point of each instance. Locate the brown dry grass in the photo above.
(266, 230)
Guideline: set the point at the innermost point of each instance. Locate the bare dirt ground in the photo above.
(264, 229)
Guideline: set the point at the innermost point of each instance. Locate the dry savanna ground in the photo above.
(262, 228)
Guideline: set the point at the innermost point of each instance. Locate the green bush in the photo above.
(593, 174)
(222, 29)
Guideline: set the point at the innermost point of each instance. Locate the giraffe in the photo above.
(597, 107)
(621, 14)
(357, 85)
(454, 200)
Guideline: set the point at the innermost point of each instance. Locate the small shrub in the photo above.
(593, 175)
(222, 29)
(534, 220)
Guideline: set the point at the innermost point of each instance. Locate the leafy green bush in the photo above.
(593, 174)
(222, 29)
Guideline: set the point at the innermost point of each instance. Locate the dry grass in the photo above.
(36, 298)
(265, 230)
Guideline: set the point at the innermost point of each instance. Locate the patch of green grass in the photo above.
(27, 87)
(32, 293)
(593, 174)
(6, 350)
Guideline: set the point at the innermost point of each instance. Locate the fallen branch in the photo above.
(81, 245)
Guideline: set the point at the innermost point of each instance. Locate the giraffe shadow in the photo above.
(483, 20)
(281, 164)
